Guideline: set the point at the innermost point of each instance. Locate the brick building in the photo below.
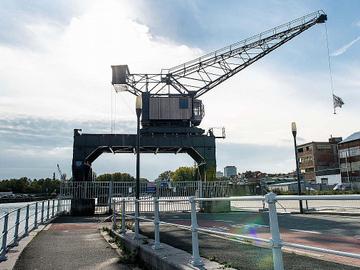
(349, 155)
(319, 161)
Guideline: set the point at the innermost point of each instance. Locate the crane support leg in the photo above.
(88, 147)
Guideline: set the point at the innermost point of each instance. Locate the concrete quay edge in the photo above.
(166, 258)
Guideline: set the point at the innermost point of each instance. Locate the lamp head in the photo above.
(138, 103)
(293, 128)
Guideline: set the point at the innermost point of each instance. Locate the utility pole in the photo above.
(137, 194)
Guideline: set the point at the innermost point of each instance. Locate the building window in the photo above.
(183, 103)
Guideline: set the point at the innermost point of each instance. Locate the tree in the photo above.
(165, 176)
(183, 174)
(26, 185)
(116, 177)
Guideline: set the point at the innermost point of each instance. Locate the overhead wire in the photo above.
(329, 65)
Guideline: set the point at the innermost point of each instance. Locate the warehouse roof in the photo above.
(353, 137)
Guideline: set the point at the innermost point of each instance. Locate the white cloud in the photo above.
(69, 78)
(344, 48)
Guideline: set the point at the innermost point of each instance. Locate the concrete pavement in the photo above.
(70, 243)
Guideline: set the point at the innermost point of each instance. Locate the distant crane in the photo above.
(62, 175)
(170, 99)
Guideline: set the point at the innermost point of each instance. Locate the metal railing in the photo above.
(19, 222)
(104, 192)
(275, 242)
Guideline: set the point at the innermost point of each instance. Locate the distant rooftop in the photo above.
(353, 137)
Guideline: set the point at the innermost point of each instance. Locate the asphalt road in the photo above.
(327, 231)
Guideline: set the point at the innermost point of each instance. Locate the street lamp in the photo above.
(137, 193)
(294, 131)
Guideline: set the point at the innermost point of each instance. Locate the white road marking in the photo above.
(313, 232)
(249, 225)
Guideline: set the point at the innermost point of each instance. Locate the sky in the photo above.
(55, 76)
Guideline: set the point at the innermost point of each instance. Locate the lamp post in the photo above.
(137, 191)
(294, 131)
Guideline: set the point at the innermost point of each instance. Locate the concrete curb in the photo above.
(333, 213)
(166, 258)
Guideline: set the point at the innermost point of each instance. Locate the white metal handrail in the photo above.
(23, 223)
(271, 199)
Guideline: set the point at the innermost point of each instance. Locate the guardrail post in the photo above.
(123, 217)
(27, 220)
(196, 259)
(16, 230)
(201, 195)
(42, 212)
(36, 216)
(48, 210)
(114, 216)
(110, 195)
(4, 238)
(136, 219)
(58, 207)
(275, 232)
(157, 244)
(53, 208)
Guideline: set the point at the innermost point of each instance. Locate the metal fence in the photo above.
(105, 192)
(19, 222)
(275, 243)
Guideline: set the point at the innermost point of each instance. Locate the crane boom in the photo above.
(171, 98)
(200, 75)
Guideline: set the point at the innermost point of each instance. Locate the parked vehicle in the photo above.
(342, 186)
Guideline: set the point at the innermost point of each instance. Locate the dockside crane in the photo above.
(171, 106)
(171, 101)
(62, 175)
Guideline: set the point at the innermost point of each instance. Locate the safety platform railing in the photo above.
(19, 222)
(271, 199)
